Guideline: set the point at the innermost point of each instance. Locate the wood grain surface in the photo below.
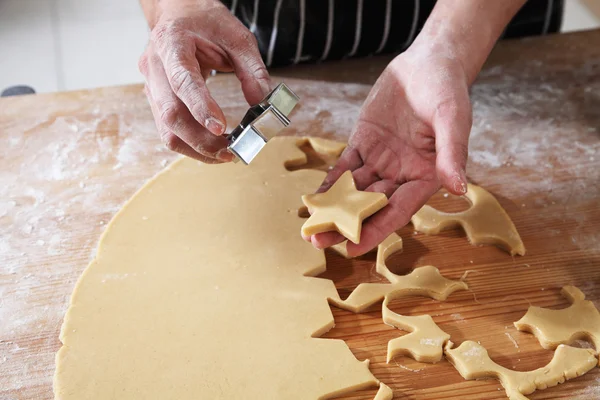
(68, 161)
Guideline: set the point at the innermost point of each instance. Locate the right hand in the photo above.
(189, 40)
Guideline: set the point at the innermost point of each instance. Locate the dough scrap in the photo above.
(426, 340)
(424, 343)
(389, 246)
(422, 281)
(342, 208)
(554, 327)
(485, 222)
(384, 392)
(210, 297)
(473, 362)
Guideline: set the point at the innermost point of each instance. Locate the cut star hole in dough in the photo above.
(485, 222)
(342, 208)
(212, 297)
(422, 281)
(425, 340)
(473, 362)
(554, 327)
(327, 149)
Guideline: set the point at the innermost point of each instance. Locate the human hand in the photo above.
(189, 40)
(410, 138)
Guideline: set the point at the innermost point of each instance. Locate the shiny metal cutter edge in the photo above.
(261, 123)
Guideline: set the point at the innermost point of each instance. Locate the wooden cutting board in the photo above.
(68, 161)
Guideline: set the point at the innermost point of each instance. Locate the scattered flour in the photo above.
(431, 342)
(55, 187)
(458, 318)
(473, 352)
(512, 339)
(407, 368)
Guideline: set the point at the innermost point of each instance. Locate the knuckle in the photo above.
(163, 31)
(254, 70)
(447, 109)
(170, 141)
(247, 39)
(243, 41)
(454, 109)
(258, 70)
(202, 149)
(181, 79)
(170, 114)
(143, 64)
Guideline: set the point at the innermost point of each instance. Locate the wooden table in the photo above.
(68, 161)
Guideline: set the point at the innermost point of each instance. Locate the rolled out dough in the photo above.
(202, 289)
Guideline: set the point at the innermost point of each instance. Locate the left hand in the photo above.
(411, 137)
(189, 39)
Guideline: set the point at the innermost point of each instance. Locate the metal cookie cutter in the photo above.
(261, 123)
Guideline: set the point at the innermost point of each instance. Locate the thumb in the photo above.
(452, 126)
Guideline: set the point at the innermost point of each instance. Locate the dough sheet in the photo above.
(202, 288)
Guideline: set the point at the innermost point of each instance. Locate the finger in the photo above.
(403, 204)
(364, 177)
(349, 161)
(176, 118)
(326, 239)
(175, 144)
(452, 125)
(171, 141)
(387, 187)
(248, 64)
(178, 55)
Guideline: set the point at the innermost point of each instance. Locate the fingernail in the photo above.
(224, 155)
(460, 186)
(214, 126)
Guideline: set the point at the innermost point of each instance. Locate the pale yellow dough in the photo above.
(202, 289)
(553, 327)
(426, 340)
(485, 222)
(422, 281)
(384, 393)
(342, 208)
(473, 362)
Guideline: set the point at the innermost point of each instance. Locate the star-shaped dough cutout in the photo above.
(342, 208)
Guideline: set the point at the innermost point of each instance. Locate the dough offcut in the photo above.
(197, 292)
(485, 222)
(473, 362)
